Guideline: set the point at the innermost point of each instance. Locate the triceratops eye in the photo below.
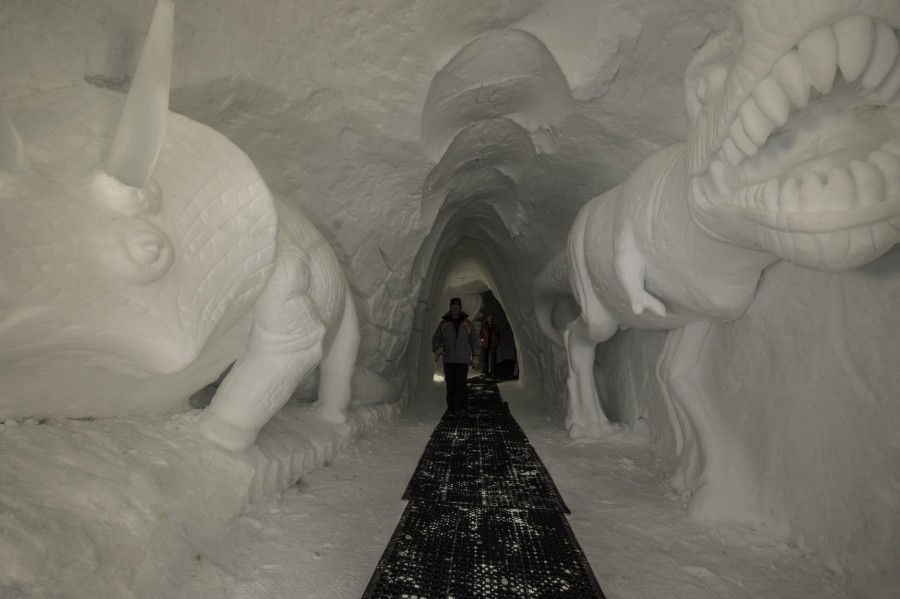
(146, 247)
(135, 250)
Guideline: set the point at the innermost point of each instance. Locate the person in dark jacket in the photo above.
(456, 341)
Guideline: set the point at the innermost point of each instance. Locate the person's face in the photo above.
(454, 310)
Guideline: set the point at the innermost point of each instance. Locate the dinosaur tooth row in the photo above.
(858, 47)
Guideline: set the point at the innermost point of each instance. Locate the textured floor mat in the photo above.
(484, 467)
(442, 551)
(483, 459)
(484, 518)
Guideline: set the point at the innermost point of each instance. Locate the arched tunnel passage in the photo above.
(474, 267)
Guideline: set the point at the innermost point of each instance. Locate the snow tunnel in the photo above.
(445, 149)
(466, 259)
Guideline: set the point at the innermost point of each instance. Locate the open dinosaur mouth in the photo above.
(818, 135)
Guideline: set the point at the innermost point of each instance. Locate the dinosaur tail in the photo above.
(551, 286)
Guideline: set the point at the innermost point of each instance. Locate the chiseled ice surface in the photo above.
(425, 189)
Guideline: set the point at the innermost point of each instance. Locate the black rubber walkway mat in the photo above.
(483, 459)
(484, 467)
(484, 518)
(443, 551)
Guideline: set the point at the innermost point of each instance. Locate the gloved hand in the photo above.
(438, 354)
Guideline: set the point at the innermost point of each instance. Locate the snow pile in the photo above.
(124, 507)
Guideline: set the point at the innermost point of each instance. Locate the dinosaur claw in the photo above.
(654, 305)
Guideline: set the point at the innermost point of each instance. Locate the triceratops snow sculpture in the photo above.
(132, 277)
(793, 153)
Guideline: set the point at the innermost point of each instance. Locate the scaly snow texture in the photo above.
(331, 102)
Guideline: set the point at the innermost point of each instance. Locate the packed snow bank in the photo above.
(124, 507)
(805, 385)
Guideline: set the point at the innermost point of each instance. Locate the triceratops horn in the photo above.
(12, 150)
(138, 139)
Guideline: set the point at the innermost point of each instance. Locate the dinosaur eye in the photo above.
(135, 250)
(146, 247)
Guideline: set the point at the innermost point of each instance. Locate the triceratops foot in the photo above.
(224, 433)
(330, 413)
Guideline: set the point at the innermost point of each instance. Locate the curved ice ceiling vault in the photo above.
(501, 73)
(482, 156)
(467, 261)
(468, 245)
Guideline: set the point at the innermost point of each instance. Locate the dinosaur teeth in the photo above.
(731, 153)
(756, 124)
(889, 165)
(741, 140)
(790, 75)
(884, 53)
(811, 193)
(857, 45)
(840, 193)
(789, 198)
(861, 184)
(855, 36)
(818, 51)
(869, 183)
(891, 84)
(769, 193)
(772, 101)
(860, 49)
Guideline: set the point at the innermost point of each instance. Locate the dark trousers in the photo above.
(489, 360)
(457, 391)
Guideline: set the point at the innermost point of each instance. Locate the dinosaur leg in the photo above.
(713, 469)
(285, 346)
(338, 365)
(584, 416)
(679, 357)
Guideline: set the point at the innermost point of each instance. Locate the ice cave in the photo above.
(229, 229)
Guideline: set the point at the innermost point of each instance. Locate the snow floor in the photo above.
(121, 508)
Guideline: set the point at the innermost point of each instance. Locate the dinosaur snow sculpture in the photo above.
(793, 153)
(131, 277)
